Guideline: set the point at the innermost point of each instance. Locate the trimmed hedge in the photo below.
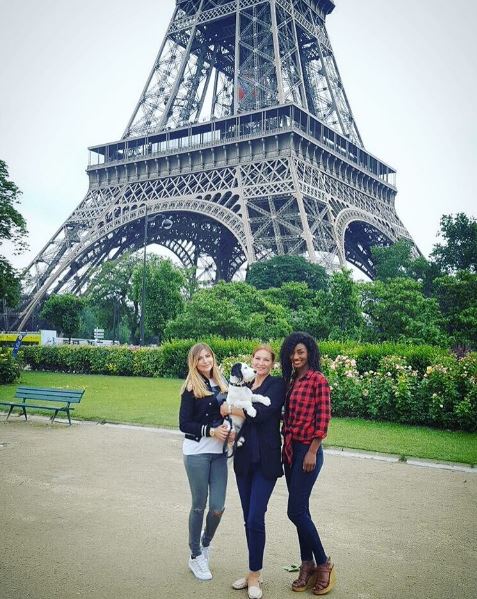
(170, 359)
(399, 383)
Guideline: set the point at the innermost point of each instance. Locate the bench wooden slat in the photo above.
(59, 389)
(31, 397)
(50, 391)
(32, 393)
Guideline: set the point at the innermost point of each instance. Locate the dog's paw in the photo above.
(262, 399)
(252, 412)
(240, 442)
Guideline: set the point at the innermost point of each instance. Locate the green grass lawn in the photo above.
(156, 402)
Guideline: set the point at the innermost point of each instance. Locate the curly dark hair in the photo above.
(289, 345)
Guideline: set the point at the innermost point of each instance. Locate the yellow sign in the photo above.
(12, 337)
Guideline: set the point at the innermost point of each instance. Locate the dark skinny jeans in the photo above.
(255, 490)
(300, 485)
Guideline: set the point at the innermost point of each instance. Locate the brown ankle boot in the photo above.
(306, 577)
(325, 578)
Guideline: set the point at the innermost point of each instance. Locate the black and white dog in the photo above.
(241, 396)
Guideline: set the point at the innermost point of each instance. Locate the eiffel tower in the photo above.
(242, 146)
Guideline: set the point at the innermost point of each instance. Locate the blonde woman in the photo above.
(204, 459)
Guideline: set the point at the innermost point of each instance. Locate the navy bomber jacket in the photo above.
(198, 415)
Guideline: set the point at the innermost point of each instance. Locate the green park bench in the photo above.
(59, 400)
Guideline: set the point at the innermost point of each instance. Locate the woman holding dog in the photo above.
(257, 463)
(305, 425)
(204, 459)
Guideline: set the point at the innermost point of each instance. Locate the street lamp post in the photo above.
(143, 294)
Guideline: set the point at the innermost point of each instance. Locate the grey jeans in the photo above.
(207, 474)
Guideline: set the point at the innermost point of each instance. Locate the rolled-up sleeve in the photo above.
(323, 407)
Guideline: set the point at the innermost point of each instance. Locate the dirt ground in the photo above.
(101, 512)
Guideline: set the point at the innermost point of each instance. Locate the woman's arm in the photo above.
(187, 424)
(322, 419)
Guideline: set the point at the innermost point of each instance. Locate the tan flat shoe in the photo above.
(242, 583)
(239, 584)
(255, 592)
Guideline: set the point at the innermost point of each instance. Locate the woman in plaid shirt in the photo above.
(305, 424)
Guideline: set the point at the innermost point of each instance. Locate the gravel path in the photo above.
(101, 512)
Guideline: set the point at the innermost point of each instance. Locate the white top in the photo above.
(206, 444)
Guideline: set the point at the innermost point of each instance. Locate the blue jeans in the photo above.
(300, 485)
(206, 472)
(255, 491)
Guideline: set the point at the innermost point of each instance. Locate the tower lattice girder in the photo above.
(243, 142)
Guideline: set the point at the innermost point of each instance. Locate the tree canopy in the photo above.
(229, 310)
(459, 250)
(13, 229)
(63, 312)
(285, 269)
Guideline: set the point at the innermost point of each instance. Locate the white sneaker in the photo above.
(200, 568)
(206, 551)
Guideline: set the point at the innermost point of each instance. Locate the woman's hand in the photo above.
(309, 461)
(221, 432)
(225, 409)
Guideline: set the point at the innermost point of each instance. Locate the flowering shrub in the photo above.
(345, 383)
(440, 391)
(466, 407)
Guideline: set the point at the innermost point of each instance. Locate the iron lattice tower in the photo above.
(242, 145)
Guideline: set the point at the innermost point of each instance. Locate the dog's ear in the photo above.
(237, 371)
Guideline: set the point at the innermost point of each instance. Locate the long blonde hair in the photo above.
(194, 381)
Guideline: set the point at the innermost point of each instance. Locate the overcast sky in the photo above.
(72, 72)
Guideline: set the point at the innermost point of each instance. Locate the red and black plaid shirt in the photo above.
(307, 413)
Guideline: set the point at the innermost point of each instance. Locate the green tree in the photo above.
(345, 319)
(392, 261)
(63, 312)
(305, 308)
(285, 269)
(229, 310)
(399, 311)
(459, 250)
(110, 296)
(13, 229)
(164, 299)
(457, 297)
(396, 261)
(9, 283)
(293, 296)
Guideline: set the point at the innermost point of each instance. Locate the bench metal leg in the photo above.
(24, 414)
(9, 412)
(54, 416)
(69, 417)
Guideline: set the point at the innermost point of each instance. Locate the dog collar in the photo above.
(238, 384)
